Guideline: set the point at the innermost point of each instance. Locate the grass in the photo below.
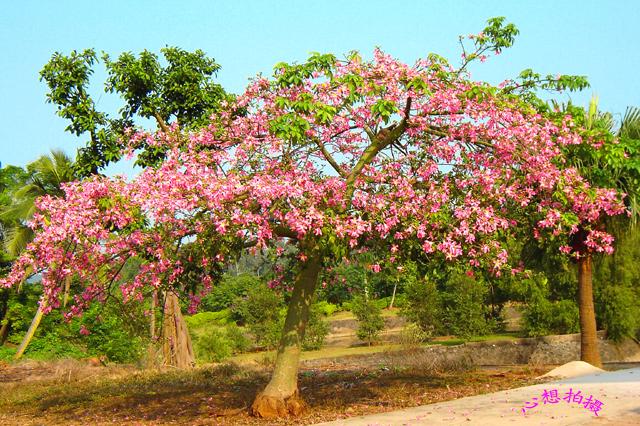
(221, 394)
(453, 341)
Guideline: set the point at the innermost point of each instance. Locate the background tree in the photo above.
(179, 88)
(615, 165)
(45, 177)
(333, 157)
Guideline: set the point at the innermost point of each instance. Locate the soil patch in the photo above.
(221, 394)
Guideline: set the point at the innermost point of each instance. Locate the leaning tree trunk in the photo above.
(280, 397)
(588, 336)
(4, 331)
(35, 322)
(393, 296)
(176, 342)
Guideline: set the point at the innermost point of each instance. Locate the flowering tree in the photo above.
(332, 156)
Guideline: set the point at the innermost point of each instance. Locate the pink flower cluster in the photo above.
(458, 176)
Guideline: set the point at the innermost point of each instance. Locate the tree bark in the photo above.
(35, 322)
(393, 296)
(588, 333)
(280, 398)
(67, 288)
(176, 344)
(4, 331)
(152, 319)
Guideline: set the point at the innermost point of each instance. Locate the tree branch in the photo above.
(329, 158)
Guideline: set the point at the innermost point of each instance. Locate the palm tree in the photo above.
(45, 177)
(615, 166)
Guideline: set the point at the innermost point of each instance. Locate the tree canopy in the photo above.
(179, 88)
(334, 156)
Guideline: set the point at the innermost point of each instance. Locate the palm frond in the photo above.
(630, 125)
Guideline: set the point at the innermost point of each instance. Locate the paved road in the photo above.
(619, 393)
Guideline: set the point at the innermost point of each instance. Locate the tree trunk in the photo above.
(280, 397)
(176, 343)
(152, 319)
(35, 322)
(588, 336)
(393, 296)
(67, 288)
(4, 331)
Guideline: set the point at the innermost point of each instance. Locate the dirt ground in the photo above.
(73, 393)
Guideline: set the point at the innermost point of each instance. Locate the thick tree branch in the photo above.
(327, 155)
(161, 123)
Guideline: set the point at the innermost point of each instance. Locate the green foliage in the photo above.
(464, 312)
(617, 286)
(542, 315)
(43, 177)
(52, 345)
(206, 319)
(317, 329)
(181, 87)
(369, 316)
(261, 312)
(6, 353)
(423, 306)
(229, 289)
(619, 311)
(326, 308)
(116, 330)
(217, 344)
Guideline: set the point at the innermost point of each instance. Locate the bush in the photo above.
(464, 312)
(326, 308)
(52, 346)
(369, 316)
(542, 316)
(317, 329)
(422, 306)
(229, 289)
(261, 311)
(412, 334)
(207, 319)
(218, 344)
(6, 353)
(620, 312)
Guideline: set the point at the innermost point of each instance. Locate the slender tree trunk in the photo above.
(152, 320)
(280, 397)
(4, 331)
(176, 344)
(67, 287)
(35, 322)
(393, 296)
(588, 337)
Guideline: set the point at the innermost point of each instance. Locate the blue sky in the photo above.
(593, 38)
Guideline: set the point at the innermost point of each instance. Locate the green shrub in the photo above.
(620, 312)
(317, 329)
(6, 353)
(369, 316)
(412, 334)
(237, 339)
(218, 344)
(52, 346)
(464, 312)
(207, 319)
(326, 308)
(261, 311)
(542, 316)
(230, 288)
(212, 346)
(423, 306)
